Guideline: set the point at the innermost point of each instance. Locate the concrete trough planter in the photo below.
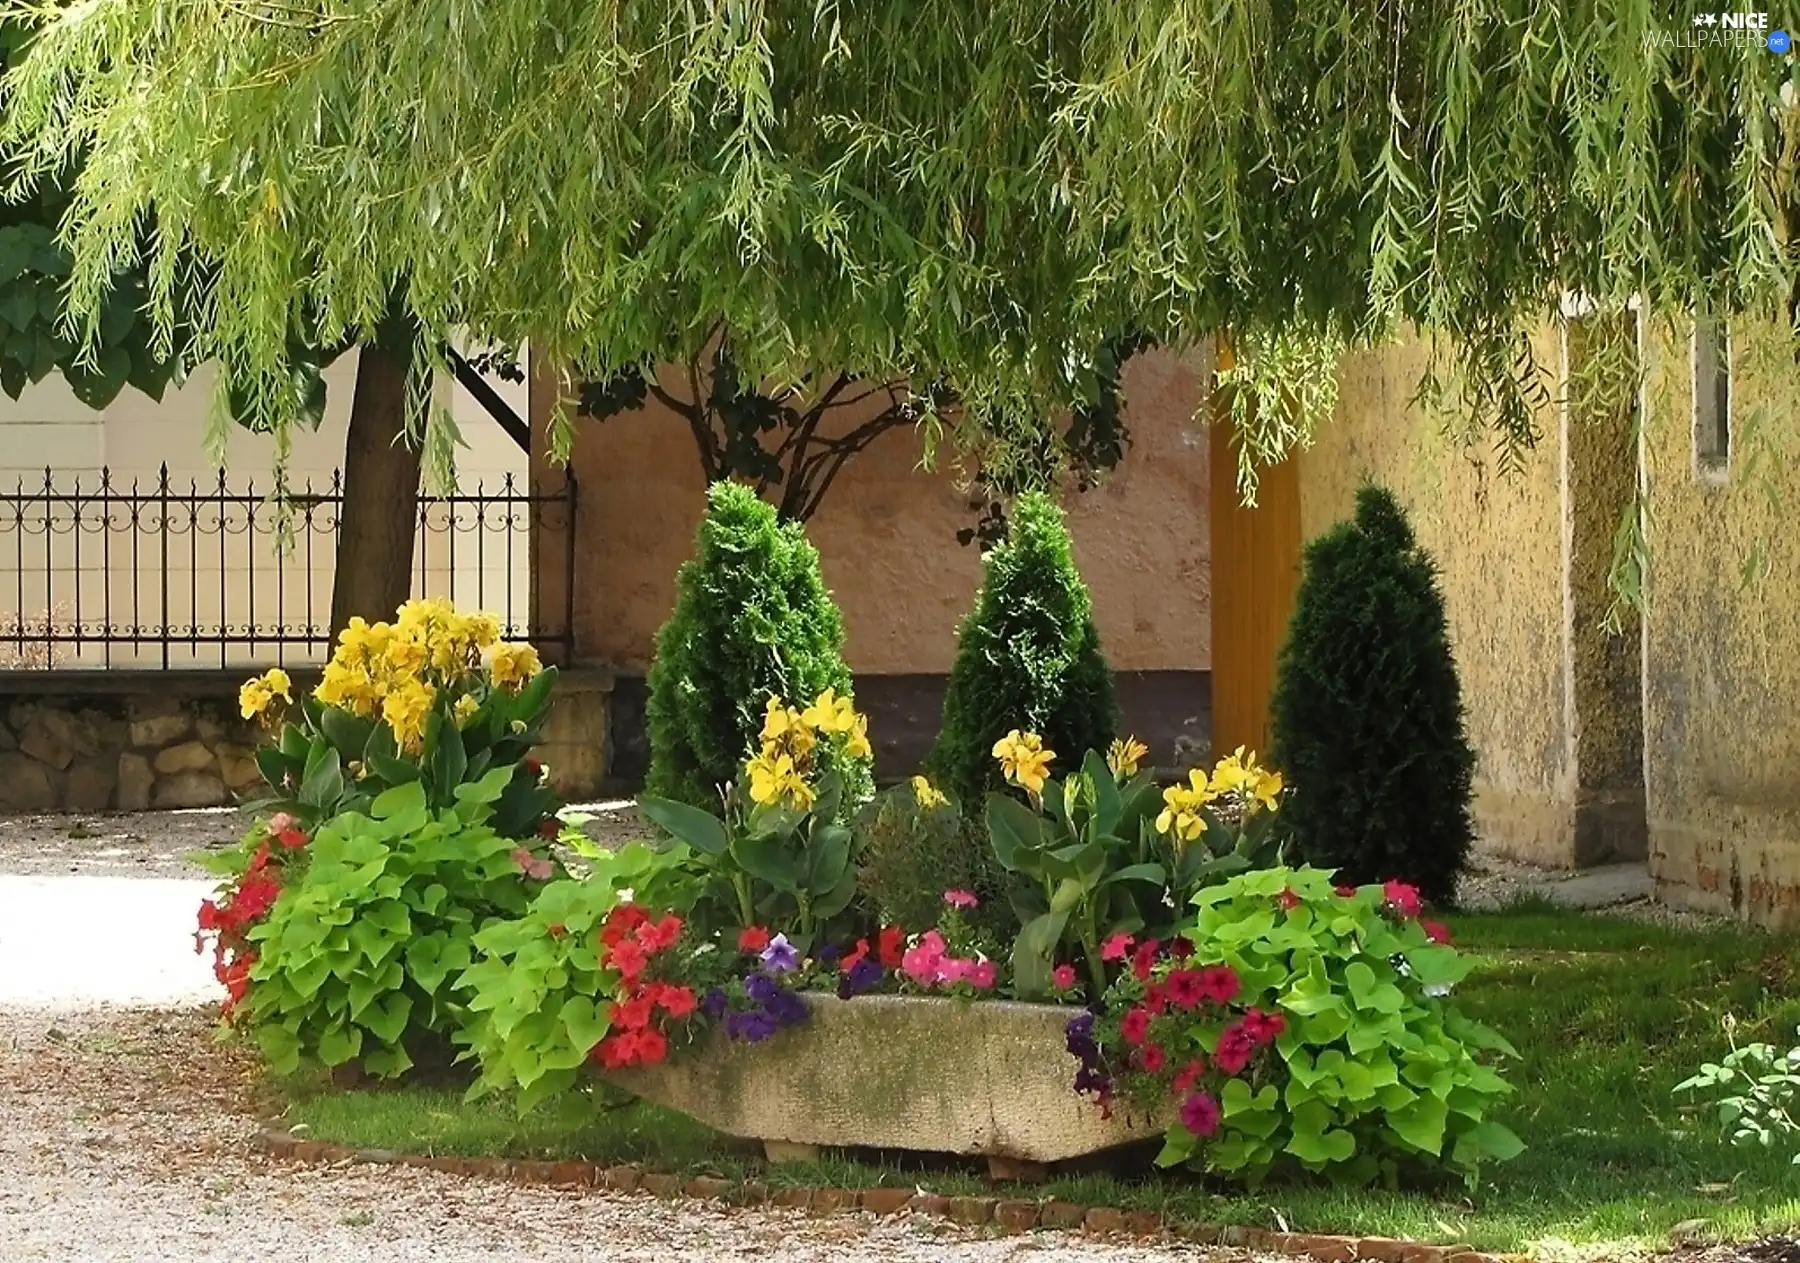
(986, 1079)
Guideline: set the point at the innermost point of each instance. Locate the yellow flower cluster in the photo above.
(1238, 776)
(1124, 755)
(779, 771)
(256, 696)
(395, 671)
(926, 794)
(1024, 760)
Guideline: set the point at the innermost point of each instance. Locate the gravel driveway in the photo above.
(126, 1132)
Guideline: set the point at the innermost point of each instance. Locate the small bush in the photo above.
(1302, 1028)
(752, 620)
(915, 845)
(343, 946)
(1368, 714)
(1028, 658)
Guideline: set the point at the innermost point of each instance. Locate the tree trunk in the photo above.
(379, 518)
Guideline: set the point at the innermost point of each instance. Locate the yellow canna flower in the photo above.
(257, 695)
(786, 729)
(857, 747)
(830, 713)
(1267, 789)
(466, 705)
(1024, 760)
(514, 664)
(405, 710)
(927, 794)
(773, 778)
(1124, 755)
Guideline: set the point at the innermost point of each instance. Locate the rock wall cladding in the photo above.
(123, 753)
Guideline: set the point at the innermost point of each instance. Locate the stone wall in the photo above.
(124, 741)
(153, 740)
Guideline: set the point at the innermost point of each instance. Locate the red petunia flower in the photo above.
(621, 923)
(1288, 900)
(1156, 999)
(891, 946)
(1436, 931)
(1153, 1058)
(1234, 1050)
(1135, 1026)
(752, 938)
(1263, 1028)
(1116, 947)
(1219, 983)
(634, 1014)
(652, 1046)
(677, 1002)
(292, 839)
(628, 958)
(1184, 988)
(1187, 1077)
(855, 956)
(1144, 959)
(658, 936)
(1181, 948)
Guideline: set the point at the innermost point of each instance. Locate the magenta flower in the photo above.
(1063, 976)
(924, 960)
(961, 898)
(1200, 1114)
(983, 976)
(1402, 898)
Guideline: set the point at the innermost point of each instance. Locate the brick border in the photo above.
(1009, 1215)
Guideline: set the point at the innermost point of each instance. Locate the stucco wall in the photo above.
(1722, 679)
(1498, 540)
(886, 535)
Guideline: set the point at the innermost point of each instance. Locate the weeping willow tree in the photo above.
(936, 190)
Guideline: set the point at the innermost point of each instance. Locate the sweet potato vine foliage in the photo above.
(906, 188)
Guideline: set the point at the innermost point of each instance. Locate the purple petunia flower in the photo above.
(786, 1008)
(1089, 1080)
(826, 955)
(779, 956)
(755, 1027)
(759, 987)
(863, 975)
(714, 1004)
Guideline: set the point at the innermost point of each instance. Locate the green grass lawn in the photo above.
(1608, 1015)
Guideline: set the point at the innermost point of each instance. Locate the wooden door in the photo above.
(1255, 573)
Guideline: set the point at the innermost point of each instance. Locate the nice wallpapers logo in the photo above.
(1742, 29)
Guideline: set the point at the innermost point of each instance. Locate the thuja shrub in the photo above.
(1301, 1027)
(1027, 659)
(752, 620)
(1368, 713)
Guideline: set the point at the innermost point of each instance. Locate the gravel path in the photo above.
(125, 1137)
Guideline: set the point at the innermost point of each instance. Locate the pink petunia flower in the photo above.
(984, 975)
(1200, 1114)
(1063, 976)
(961, 898)
(1116, 947)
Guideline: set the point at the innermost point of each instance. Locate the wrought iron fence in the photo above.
(181, 572)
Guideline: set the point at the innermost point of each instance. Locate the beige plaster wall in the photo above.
(1722, 677)
(886, 535)
(1498, 540)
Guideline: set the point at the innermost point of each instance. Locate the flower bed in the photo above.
(989, 1079)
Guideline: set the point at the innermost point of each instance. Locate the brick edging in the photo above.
(1008, 1214)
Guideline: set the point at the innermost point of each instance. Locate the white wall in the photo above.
(126, 573)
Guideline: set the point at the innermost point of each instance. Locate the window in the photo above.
(1712, 399)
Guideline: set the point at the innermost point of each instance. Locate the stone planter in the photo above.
(989, 1078)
